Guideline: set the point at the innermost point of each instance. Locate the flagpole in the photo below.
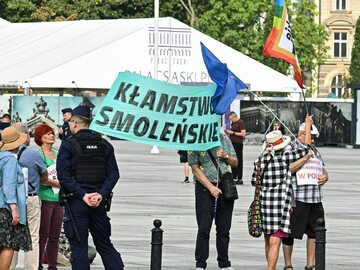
(155, 149)
(305, 103)
(275, 116)
(281, 122)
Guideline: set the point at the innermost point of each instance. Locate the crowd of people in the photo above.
(289, 208)
(50, 199)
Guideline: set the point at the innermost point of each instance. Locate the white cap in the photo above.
(314, 131)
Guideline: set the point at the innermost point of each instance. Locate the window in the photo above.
(340, 44)
(337, 87)
(340, 4)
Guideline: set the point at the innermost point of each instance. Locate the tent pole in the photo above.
(155, 149)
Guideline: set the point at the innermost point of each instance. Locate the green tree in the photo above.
(355, 56)
(310, 39)
(18, 10)
(245, 25)
(60, 10)
(186, 11)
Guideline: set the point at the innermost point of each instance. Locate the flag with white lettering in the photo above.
(141, 109)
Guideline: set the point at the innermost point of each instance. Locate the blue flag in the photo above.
(227, 83)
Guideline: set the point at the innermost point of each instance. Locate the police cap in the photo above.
(66, 110)
(83, 111)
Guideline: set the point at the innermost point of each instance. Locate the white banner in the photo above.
(310, 172)
(52, 174)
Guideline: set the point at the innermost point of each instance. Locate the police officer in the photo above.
(64, 131)
(87, 169)
(5, 121)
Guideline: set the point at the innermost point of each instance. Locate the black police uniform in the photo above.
(66, 131)
(87, 218)
(4, 125)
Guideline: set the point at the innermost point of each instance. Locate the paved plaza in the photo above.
(150, 188)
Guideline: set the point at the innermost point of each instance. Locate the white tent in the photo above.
(89, 55)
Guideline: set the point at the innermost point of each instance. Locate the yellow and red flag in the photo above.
(280, 43)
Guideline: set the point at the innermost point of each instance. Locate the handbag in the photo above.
(255, 225)
(228, 187)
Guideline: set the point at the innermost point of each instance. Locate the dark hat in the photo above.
(83, 111)
(6, 115)
(66, 110)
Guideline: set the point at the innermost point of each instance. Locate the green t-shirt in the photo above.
(46, 193)
(203, 159)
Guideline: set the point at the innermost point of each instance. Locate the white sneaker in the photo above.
(199, 268)
(227, 268)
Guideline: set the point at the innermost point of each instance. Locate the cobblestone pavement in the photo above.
(151, 188)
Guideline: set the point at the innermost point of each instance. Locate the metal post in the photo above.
(155, 149)
(156, 245)
(320, 241)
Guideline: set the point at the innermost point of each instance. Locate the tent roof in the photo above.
(2, 21)
(89, 54)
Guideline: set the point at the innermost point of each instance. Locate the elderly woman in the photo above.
(14, 232)
(51, 212)
(273, 165)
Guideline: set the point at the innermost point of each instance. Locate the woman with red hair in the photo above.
(51, 212)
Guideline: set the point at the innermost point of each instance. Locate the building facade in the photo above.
(339, 17)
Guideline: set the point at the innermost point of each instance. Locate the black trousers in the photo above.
(204, 203)
(97, 222)
(238, 171)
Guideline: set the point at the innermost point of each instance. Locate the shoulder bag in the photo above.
(255, 225)
(228, 187)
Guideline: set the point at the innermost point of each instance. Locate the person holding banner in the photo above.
(310, 177)
(209, 202)
(273, 166)
(88, 172)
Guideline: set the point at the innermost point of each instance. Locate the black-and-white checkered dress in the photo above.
(276, 189)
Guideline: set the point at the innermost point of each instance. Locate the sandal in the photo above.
(288, 267)
(310, 268)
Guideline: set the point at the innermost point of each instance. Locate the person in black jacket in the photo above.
(64, 131)
(87, 171)
(5, 121)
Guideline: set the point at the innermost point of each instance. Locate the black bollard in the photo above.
(320, 241)
(156, 245)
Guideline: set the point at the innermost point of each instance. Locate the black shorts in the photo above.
(183, 156)
(304, 219)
